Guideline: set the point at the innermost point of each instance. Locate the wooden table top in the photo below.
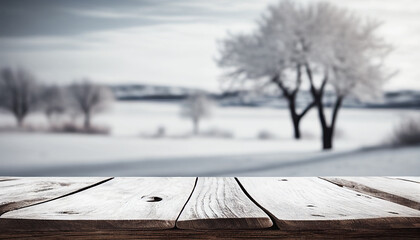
(209, 207)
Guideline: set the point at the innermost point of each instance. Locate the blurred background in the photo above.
(209, 88)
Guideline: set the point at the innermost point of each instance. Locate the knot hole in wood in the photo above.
(151, 198)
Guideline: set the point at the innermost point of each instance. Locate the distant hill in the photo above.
(399, 99)
(132, 92)
(146, 92)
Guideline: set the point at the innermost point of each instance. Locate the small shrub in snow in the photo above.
(160, 131)
(25, 128)
(265, 135)
(407, 133)
(217, 133)
(74, 128)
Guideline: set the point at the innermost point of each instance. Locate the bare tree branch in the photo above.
(89, 98)
(19, 92)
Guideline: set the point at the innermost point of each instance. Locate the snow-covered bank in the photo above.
(179, 160)
(26, 149)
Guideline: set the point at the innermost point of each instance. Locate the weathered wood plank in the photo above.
(220, 203)
(406, 193)
(216, 234)
(313, 203)
(16, 192)
(122, 203)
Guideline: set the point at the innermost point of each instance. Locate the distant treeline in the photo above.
(22, 94)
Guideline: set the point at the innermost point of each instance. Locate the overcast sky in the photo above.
(164, 41)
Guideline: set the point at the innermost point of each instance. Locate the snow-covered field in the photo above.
(126, 153)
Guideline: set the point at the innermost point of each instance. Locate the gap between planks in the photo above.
(220, 203)
(195, 185)
(257, 204)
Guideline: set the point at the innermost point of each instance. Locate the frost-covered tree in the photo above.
(334, 48)
(268, 58)
(352, 62)
(18, 92)
(89, 98)
(196, 107)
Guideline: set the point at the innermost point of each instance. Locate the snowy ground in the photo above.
(125, 153)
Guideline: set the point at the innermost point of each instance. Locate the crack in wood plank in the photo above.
(408, 179)
(406, 193)
(17, 193)
(122, 203)
(313, 203)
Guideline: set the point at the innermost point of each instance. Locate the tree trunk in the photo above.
(87, 121)
(328, 131)
(291, 98)
(296, 128)
(19, 120)
(295, 117)
(327, 138)
(196, 126)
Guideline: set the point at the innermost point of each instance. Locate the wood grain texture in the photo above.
(313, 203)
(220, 203)
(216, 234)
(121, 203)
(16, 192)
(406, 193)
